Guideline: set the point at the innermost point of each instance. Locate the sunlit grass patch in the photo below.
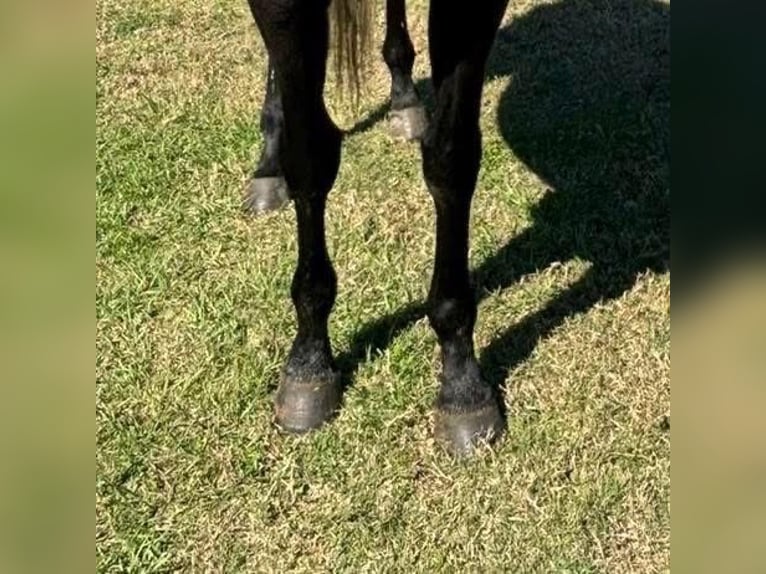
(194, 320)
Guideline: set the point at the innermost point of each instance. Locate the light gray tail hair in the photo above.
(352, 22)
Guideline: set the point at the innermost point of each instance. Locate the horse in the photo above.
(300, 160)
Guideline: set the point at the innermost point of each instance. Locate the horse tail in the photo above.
(352, 22)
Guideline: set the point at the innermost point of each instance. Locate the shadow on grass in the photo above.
(373, 118)
(588, 110)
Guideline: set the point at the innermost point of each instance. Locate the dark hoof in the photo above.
(304, 406)
(263, 194)
(461, 432)
(409, 123)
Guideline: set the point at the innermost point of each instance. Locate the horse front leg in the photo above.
(467, 408)
(296, 36)
(407, 118)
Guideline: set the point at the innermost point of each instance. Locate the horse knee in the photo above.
(451, 161)
(311, 160)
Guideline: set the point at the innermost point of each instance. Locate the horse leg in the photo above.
(407, 117)
(267, 190)
(296, 37)
(467, 409)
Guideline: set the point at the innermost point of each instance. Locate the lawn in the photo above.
(570, 251)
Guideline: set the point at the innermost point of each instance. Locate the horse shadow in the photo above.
(587, 109)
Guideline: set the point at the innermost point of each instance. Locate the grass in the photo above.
(569, 246)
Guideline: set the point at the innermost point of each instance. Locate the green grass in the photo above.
(569, 243)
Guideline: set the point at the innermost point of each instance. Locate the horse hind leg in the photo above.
(267, 190)
(407, 118)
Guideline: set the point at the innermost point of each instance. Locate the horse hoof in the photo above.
(462, 432)
(264, 194)
(409, 123)
(304, 406)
